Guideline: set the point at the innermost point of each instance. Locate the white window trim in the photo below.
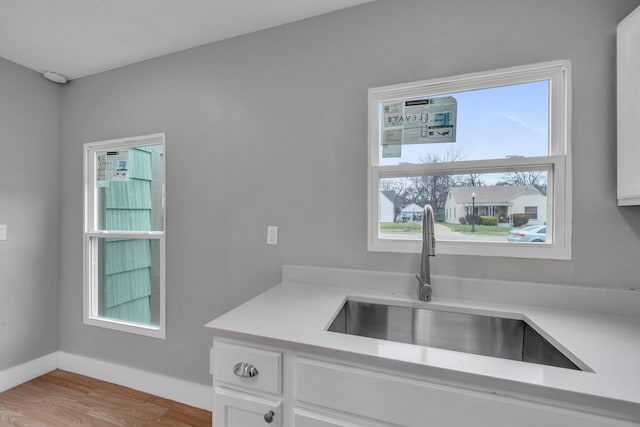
(558, 73)
(90, 278)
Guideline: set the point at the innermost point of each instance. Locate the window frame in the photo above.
(557, 164)
(91, 235)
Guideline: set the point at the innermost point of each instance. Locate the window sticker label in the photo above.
(419, 121)
(112, 166)
(392, 143)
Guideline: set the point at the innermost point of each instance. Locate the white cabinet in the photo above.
(247, 386)
(628, 53)
(306, 418)
(295, 389)
(415, 402)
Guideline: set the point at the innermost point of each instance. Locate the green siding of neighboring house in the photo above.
(128, 219)
(132, 194)
(133, 311)
(126, 285)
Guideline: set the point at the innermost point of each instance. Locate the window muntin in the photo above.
(551, 155)
(124, 242)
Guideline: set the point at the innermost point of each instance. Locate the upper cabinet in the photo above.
(629, 110)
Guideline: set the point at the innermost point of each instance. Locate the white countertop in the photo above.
(295, 315)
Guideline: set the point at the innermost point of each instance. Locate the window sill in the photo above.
(133, 328)
(494, 249)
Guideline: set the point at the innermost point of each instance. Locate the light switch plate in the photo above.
(3, 232)
(272, 235)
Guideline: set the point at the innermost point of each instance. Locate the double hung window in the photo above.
(488, 151)
(124, 234)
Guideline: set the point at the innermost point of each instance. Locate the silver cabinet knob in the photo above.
(245, 370)
(268, 417)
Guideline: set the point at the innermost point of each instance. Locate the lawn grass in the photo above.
(400, 227)
(412, 227)
(487, 230)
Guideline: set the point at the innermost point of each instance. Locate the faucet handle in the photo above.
(425, 290)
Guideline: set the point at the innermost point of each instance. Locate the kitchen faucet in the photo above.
(428, 249)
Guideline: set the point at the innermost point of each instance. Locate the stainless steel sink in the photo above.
(470, 333)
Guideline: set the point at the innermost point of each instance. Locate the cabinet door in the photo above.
(305, 418)
(629, 110)
(391, 399)
(310, 420)
(234, 409)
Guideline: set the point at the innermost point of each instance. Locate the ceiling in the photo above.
(77, 38)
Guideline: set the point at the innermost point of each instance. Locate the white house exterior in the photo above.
(390, 204)
(412, 212)
(386, 207)
(498, 201)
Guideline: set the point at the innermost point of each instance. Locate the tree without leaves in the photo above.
(472, 180)
(433, 189)
(534, 178)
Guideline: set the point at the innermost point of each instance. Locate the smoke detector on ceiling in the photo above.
(55, 77)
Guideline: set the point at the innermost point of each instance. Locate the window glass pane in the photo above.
(129, 189)
(491, 123)
(473, 207)
(128, 280)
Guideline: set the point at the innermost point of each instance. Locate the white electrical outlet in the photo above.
(3, 232)
(272, 235)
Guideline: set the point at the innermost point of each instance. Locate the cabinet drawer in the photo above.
(415, 403)
(267, 366)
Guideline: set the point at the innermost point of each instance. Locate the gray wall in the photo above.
(270, 128)
(29, 205)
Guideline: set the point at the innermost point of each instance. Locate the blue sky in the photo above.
(493, 123)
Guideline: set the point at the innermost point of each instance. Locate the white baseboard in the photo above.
(27, 371)
(193, 394)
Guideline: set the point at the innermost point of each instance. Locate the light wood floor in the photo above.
(64, 399)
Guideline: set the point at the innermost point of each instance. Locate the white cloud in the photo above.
(525, 124)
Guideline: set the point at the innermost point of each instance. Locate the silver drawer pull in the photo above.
(245, 370)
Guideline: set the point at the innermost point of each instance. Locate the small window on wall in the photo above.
(124, 234)
(531, 211)
(488, 151)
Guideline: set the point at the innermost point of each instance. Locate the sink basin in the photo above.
(470, 333)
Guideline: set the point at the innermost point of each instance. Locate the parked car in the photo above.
(532, 233)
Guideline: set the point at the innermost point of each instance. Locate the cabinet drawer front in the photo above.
(407, 402)
(267, 366)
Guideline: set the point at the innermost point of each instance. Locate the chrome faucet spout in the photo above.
(428, 249)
